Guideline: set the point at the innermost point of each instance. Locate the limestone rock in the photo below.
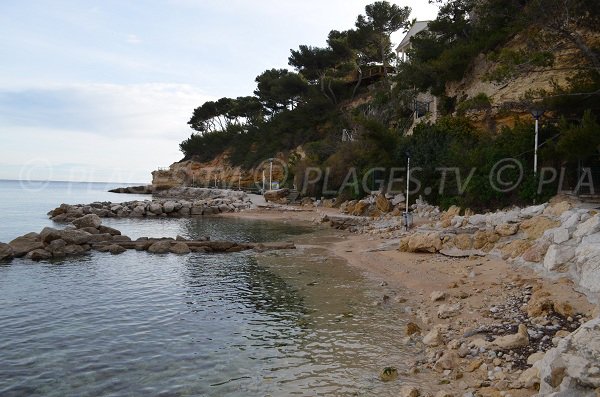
(437, 296)
(447, 310)
(535, 357)
(514, 341)
(507, 229)
(38, 255)
(529, 378)
(155, 208)
(571, 368)
(556, 209)
(90, 220)
(6, 252)
(169, 207)
(463, 241)
(448, 360)
(448, 215)
(160, 247)
(530, 212)
(587, 266)
(515, 248)
(557, 256)
(276, 195)
(360, 208)
(382, 203)
(180, 248)
(485, 239)
(57, 248)
(433, 337)
(23, 244)
(535, 227)
(588, 227)
(537, 252)
(560, 235)
(74, 249)
(421, 242)
(444, 393)
(474, 365)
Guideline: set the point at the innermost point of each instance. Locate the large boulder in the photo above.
(49, 234)
(572, 368)
(557, 256)
(155, 208)
(424, 242)
(276, 195)
(6, 252)
(160, 247)
(537, 252)
(106, 229)
(588, 227)
(485, 239)
(57, 248)
(515, 248)
(180, 248)
(169, 207)
(382, 203)
(26, 243)
(90, 220)
(38, 255)
(75, 236)
(507, 229)
(360, 208)
(587, 266)
(535, 227)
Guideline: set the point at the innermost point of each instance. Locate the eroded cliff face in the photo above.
(220, 173)
(507, 97)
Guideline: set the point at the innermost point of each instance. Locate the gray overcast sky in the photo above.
(102, 90)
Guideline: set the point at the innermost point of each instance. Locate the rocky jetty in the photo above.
(143, 189)
(86, 233)
(205, 202)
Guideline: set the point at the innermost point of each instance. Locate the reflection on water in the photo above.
(289, 323)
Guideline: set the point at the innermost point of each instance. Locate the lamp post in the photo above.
(406, 220)
(536, 113)
(270, 174)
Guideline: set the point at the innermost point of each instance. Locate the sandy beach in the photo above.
(457, 306)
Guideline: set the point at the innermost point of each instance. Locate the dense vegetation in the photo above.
(329, 91)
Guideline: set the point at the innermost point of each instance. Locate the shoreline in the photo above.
(457, 307)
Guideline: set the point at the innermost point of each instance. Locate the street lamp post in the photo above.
(271, 174)
(406, 220)
(536, 113)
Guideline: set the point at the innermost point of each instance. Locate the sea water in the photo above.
(294, 322)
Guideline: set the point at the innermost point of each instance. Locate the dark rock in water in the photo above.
(160, 247)
(39, 255)
(22, 245)
(114, 249)
(48, 234)
(75, 236)
(6, 252)
(90, 230)
(100, 238)
(57, 248)
(180, 249)
(73, 249)
(109, 230)
(119, 237)
(89, 220)
(144, 189)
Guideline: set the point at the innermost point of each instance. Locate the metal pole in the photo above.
(535, 156)
(271, 176)
(407, 187)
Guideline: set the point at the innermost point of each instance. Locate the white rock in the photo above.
(433, 337)
(588, 227)
(447, 311)
(587, 266)
(530, 212)
(568, 368)
(561, 235)
(437, 296)
(558, 255)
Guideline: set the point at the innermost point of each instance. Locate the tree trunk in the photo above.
(360, 75)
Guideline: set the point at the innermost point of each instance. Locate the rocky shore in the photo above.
(86, 233)
(177, 202)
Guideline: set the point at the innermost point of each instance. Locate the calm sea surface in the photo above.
(282, 323)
